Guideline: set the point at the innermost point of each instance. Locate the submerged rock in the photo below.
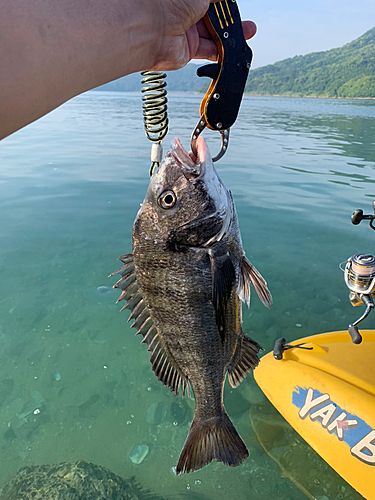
(36, 402)
(9, 434)
(179, 412)
(154, 414)
(77, 481)
(139, 453)
(85, 408)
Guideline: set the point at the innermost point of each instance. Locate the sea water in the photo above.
(75, 383)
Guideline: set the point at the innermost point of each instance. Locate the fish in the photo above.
(183, 283)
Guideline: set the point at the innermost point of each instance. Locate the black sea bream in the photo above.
(183, 283)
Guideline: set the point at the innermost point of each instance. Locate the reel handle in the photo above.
(357, 217)
(353, 330)
(355, 335)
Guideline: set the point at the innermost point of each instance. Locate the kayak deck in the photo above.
(327, 393)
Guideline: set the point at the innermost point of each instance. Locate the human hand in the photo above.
(184, 35)
(52, 51)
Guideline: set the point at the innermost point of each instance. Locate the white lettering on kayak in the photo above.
(311, 403)
(335, 420)
(364, 450)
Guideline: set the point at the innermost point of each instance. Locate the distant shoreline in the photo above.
(248, 94)
(308, 96)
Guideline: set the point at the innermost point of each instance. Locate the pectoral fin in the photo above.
(223, 278)
(248, 274)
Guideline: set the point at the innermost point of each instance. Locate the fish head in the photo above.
(187, 204)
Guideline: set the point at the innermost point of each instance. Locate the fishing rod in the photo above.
(359, 276)
(221, 103)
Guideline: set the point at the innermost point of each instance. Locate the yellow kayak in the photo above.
(326, 390)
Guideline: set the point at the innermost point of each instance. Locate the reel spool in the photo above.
(359, 275)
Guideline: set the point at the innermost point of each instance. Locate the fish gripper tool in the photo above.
(221, 103)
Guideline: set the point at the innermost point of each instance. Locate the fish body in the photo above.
(184, 283)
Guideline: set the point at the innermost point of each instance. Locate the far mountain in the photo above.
(348, 71)
(183, 80)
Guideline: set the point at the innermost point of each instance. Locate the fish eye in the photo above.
(167, 199)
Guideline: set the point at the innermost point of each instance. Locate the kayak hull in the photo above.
(327, 393)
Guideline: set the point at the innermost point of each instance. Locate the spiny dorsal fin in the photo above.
(248, 274)
(162, 362)
(244, 360)
(223, 278)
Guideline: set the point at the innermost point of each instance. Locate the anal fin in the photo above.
(244, 360)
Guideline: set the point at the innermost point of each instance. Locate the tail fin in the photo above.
(211, 439)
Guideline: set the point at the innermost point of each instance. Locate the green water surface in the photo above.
(75, 383)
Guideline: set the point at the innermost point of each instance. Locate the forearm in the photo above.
(67, 47)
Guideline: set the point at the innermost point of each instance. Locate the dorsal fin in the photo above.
(245, 359)
(223, 278)
(161, 360)
(248, 274)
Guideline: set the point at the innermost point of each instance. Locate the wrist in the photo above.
(126, 40)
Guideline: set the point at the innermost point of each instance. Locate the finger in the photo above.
(249, 29)
(202, 30)
(207, 47)
(206, 50)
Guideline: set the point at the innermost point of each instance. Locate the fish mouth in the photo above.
(191, 166)
(199, 167)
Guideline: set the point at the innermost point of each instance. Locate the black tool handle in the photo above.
(222, 102)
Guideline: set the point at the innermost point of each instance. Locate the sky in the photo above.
(297, 27)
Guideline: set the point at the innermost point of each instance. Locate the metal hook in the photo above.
(201, 125)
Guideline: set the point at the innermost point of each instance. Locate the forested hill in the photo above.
(348, 71)
(183, 80)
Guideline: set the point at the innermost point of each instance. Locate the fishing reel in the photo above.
(359, 275)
